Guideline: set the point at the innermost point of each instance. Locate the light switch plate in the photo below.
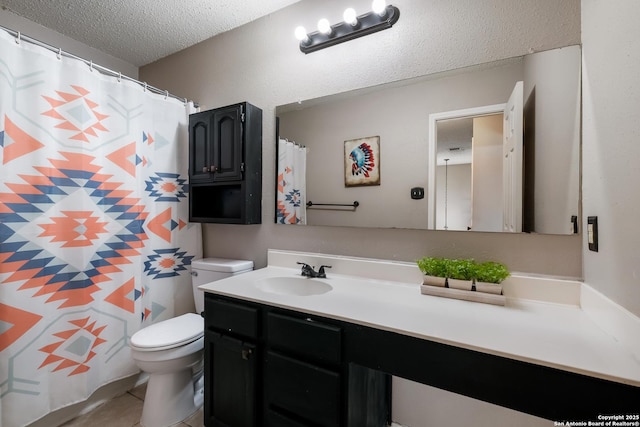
(592, 233)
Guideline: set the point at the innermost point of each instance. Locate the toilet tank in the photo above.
(208, 270)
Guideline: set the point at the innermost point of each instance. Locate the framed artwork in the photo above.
(362, 161)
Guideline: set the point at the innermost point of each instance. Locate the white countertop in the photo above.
(554, 335)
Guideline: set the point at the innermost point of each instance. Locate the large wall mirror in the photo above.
(494, 147)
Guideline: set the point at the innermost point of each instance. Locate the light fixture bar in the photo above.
(367, 23)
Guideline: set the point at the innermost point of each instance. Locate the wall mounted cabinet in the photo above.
(225, 165)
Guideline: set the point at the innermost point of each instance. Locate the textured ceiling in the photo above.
(142, 31)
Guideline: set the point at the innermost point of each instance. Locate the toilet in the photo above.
(171, 351)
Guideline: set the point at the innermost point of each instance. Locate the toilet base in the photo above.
(169, 399)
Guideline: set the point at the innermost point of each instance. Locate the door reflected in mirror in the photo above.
(466, 201)
(480, 151)
(401, 112)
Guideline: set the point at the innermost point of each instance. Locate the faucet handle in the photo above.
(307, 270)
(321, 272)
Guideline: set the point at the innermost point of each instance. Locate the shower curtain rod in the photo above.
(19, 37)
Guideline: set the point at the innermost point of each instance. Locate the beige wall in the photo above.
(261, 63)
(557, 136)
(455, 181)
(611, 148)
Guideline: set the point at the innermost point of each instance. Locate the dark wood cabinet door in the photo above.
(200, 153)
(227, 143)
(311, 393)
(230, 382)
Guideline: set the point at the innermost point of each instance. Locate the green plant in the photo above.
(433, 266)
(464, 269)
(461, 269)
(443, 267)
(490, 272)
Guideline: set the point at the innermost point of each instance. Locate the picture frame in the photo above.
(362, 161)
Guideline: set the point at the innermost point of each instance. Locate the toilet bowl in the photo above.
(171, 352)
(169, 359)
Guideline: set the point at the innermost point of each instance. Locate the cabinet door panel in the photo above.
(305, 337)
(237, 319)
(227, 143)
(230, 376)
(199, 147)
(303, 389)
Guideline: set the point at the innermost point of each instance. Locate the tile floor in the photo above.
(125, 411)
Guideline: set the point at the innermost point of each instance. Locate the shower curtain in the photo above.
(292, 185)
(94, 235)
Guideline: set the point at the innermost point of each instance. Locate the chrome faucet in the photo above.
(308, 271)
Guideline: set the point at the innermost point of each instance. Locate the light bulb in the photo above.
(349, 17)
(379, 7)
(324, 26)
(301, 34)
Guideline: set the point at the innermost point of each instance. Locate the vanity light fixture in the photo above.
(381, 17)
(301, 35)
(350, 17)
(379, 7)
(324, 27)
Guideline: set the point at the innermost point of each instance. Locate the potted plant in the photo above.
(488, 276)
(460, 273)
(434, 270)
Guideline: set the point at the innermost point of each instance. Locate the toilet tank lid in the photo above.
(222, 265)
(169, 333)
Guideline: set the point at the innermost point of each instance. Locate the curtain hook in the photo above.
(59, 54)
(145, 86)
(18, 37)
(91, 66)
(166, 94)
(119, 76)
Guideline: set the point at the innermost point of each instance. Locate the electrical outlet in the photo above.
(592, 233)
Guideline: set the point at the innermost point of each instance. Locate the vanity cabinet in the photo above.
(225, 165)
(266, 366)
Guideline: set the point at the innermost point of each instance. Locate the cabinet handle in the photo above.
(246, 354)
(210, 169)
(214, 169)
(205, 169)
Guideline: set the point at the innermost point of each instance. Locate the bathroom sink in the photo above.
(299, 286)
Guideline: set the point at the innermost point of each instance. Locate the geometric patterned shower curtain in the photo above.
(291, 195)
(94, 235)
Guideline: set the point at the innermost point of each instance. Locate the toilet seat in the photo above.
(170, 333)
